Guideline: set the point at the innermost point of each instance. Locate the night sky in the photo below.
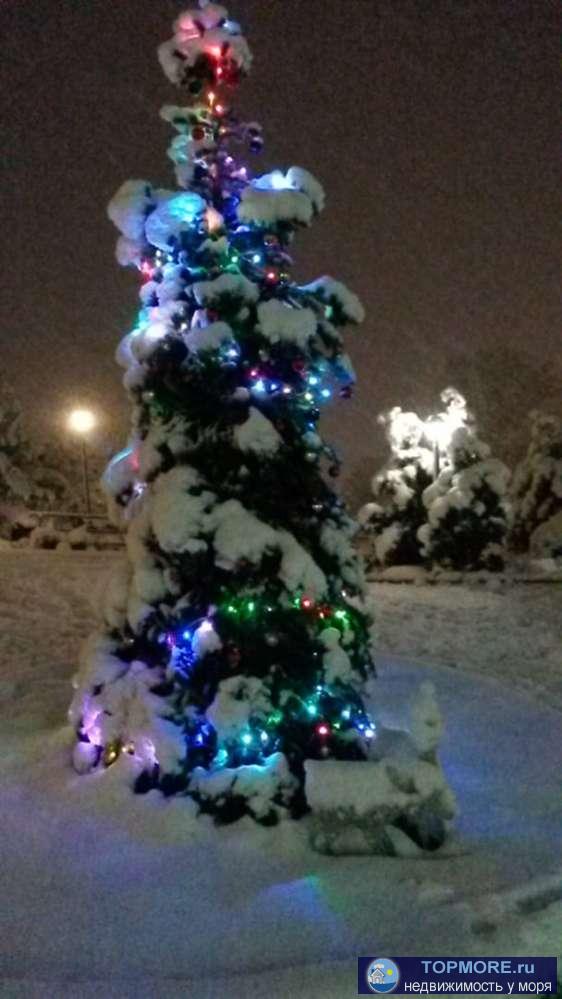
(434, 127)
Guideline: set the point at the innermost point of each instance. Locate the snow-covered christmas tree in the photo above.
(237, 641)
(393, 519)
(537, 485)
(467, 506)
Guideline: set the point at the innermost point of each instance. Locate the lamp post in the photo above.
(438, 433)
(81, 422)
(440, 429)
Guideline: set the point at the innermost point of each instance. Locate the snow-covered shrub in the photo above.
(263, 791)
(16, 521)
(468, 511)
(546, 539)
(418, 450)
(45, 536)
(537, 481)
(396, 804)
(392, 521)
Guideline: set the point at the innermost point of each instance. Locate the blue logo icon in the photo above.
(382, 975)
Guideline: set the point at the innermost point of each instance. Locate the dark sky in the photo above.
(433, 125)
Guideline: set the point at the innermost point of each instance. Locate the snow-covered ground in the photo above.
(107, 894)
(511, 631)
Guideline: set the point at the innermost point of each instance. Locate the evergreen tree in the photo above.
(39, 473)
(468, 512)
(501, 378)
(237, 631)
(537, 482)
(57, 476)
(16, 484)
(398, 511)
(419, 451)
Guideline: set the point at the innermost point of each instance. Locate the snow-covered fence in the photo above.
(53, 529)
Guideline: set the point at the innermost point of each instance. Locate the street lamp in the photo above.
(82, 422)
(439, 431)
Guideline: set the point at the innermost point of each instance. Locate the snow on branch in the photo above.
(279, 322)
(200, 35)
(233, 287)
(334, 294)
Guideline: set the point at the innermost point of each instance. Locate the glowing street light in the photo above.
(439, 429)
(82, 422)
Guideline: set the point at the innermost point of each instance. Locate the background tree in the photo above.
(499, 379)
(419, 451)
(392, 521)
(467, 506)
(58, 475)
(38, 474)
(16, 485)
(537, 482)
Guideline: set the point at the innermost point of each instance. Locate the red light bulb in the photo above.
(147, 270)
